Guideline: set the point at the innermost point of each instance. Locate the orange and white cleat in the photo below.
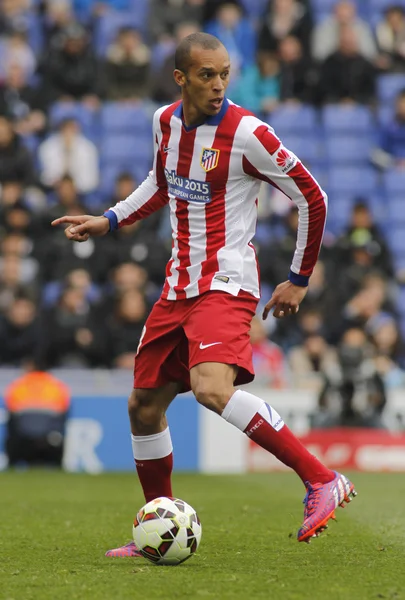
(320, 501)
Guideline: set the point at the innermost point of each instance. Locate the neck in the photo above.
(192, 117)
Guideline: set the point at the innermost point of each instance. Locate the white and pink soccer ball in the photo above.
(167, 531)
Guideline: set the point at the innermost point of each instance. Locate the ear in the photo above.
(179, 77)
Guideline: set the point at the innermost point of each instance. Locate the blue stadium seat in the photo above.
(349, 150)
(87, 117)
(396, 240)
(339, 209)
(388, 87)
(116, 117)
(394, 182)
(255, 8)
(385, 113)
(109, 24)
(295, 119)
(358, 181)
(350, 119)
(309, 150)
(128, 152)
(381, 5)
(396, 209)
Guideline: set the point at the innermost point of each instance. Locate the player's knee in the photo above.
(211, 394)
(144, 413)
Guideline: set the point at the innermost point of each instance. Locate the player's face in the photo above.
(206, 80)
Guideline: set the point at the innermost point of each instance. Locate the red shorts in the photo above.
(180, 334)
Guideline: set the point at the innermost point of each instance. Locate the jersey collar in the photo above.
(211, 120)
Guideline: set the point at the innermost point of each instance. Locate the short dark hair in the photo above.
(183, 50)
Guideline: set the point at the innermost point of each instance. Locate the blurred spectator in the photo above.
(389, 351)
(70, 69)
(124, 329)
(363, 233)
(18, 52)
(166, 15)
(37, 405)
(78, 279)
(69, 152)
(268, 358)
(391, 150)
(353, 394)
(285, 18)
(258, 88)
(70, 337)
(390, 34)
(22, 247)
(19, 332)
(327, 34)
(236, 33)
(24, 104)
(310, 359)
(11, 193)
(127, 66)
(276, 258)
(87, 9)
(298, 76)
(346, 75)
(371, 303)
(58, 16)
(15, 160)
(66, 199)
(12, 281)
(14, 15)
(165, 89)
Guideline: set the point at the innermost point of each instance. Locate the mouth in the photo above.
(216, 102)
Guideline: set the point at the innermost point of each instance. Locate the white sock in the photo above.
(243, 406)
(149, 447)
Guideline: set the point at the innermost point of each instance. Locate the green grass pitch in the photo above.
(55, 528)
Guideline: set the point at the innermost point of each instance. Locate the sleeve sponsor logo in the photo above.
(285, 160)
(190, 190)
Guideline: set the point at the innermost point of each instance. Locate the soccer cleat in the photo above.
(320, 502)
(124, 551)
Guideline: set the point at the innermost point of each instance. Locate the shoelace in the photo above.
(312, 498)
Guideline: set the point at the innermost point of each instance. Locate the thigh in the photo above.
(161, 355)
(218, 329)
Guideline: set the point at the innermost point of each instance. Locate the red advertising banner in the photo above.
(359, 449)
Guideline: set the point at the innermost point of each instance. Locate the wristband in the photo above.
(301, 280)
(112, 218)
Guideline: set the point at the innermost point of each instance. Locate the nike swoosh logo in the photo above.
(203, 346)
(166, 149)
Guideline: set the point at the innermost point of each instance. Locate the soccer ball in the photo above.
(167, 531)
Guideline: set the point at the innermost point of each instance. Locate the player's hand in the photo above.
(286, 300)
(83, 226)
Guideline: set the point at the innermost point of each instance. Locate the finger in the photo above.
(80, 238)
(79, 229)
(71, 220)
(279, 312)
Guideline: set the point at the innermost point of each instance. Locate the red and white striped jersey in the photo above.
(210, 176)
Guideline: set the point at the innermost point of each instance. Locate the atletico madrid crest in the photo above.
(209, 158)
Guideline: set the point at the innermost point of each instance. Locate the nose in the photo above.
(218, 84)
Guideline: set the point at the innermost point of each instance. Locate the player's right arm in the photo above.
(149, 197)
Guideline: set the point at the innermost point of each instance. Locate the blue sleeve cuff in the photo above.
(112, 217)
(301, 280)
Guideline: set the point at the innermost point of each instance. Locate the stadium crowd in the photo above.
(79, 81)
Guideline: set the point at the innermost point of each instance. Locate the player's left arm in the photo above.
(267, 159)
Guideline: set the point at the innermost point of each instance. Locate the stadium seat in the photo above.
(309, 150)
(388, 87)
(255, 8)
(381, 5)
(87, 117)
(128, 152)
(352, 180)
(295, 119)
(109, 24)
(350, 119)
(116, 117)
(348, 150)
(394, 182)
(396, 209)
(396, 240)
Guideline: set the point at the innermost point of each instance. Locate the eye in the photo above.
(225, 75)
(206, 75)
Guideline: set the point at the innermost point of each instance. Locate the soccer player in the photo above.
(210, 157)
